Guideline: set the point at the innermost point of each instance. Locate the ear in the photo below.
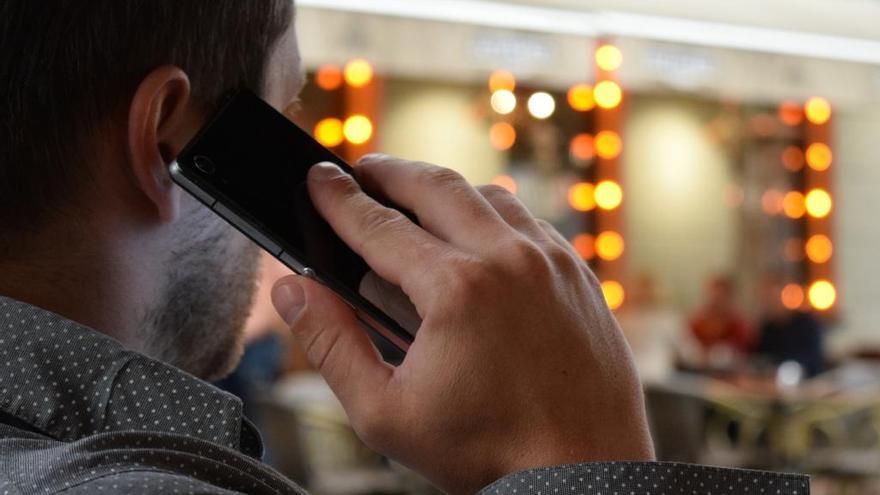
(160, 122)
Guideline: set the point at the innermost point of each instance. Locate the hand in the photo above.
(518, 363)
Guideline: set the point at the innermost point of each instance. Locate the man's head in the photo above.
(96, 98)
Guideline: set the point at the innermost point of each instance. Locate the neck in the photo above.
(90, 285)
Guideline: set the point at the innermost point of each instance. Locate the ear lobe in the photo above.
(160, 122)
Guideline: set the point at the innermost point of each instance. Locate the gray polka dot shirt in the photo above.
(81, 414)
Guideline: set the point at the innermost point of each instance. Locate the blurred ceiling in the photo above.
(849, 18)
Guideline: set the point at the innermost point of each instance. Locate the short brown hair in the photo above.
(68, 66)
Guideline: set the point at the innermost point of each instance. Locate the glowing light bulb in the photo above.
(772, 202)
(585, 245)
(793, 205)
(791, 113)
(609, 58)
(502, 136)
(581, 197)
(580, 97)
(608, 94)
(819, 203)
(793, 296)
(358, 73)
(822, 295)
(818, 110)
(609, 195)
(610, 246)
(329, 77)
(582, 147)
(608, 145)
(615, 296)
(503, 101)
(329, 132)
(542, 105)
(793, 159)
(502, 80)
(819, 157)
(819, 249)
(358, 129)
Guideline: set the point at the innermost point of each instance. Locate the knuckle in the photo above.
(466, 281)
(439, 177)
(561, 258)
(527, 257)
(495, 191)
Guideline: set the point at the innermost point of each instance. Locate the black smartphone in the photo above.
(249, 165)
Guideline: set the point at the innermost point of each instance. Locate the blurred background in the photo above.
(714, 162)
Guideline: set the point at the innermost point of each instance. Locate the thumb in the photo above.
(333, 340)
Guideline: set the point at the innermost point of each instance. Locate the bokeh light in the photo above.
(358, 129)
(581, 196)
(819, 157)
(583, 147)
(608, 145)
(819, 249)
(791, 113)
(772, 202)
(609, 195)
(819, 203)
(358, 73)
(502, 80)
(585, 245)
(822, 295)
(329, 77)
(329, 132)
(793, 296)
(794, 205)
(793, 159)
(610, 246)
(818, 110)
(608, 94)
(609, 58)
(542, 105)
(580, 97)
(615, 296)
(503, 101)
(507, 182)
(502, 136)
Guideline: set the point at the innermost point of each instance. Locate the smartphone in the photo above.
(249, 164)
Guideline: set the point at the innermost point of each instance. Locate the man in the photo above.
(117, 284)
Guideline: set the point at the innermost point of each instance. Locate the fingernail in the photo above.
(326, 171)
(289, 300)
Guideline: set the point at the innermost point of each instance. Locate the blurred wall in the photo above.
(438, 123)
(858, 225)
(679, 228)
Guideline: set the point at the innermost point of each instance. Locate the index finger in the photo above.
(394, 247)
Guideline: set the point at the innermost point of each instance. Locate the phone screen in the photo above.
(254, 161)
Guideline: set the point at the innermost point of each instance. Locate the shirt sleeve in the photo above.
(647, 478)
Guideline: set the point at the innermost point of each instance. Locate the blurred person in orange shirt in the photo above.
(720, 326)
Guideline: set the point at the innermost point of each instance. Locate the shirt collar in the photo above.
(71, 382)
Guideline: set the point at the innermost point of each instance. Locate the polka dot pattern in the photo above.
(79, 414)
(648, 478)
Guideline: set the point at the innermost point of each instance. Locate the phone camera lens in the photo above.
(205, 165)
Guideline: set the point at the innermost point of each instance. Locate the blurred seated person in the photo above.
(656, 332)
(786, 335)
(720, 326)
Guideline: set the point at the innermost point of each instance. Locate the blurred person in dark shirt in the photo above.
(719, 325)
(789, 335)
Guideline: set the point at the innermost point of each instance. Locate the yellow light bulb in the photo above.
(358, 73)
(502, 80)
(580, 97)
(581, 197)
(819, 203)
(610, 246)
(503, 101)
(819, 249)
(819, 157)
(822, 295)
(329, 132)
(608, 94)
(609, 58)
(609, 195)
(358, 129)
(818, 110)
(608, 145)
(614, 294)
